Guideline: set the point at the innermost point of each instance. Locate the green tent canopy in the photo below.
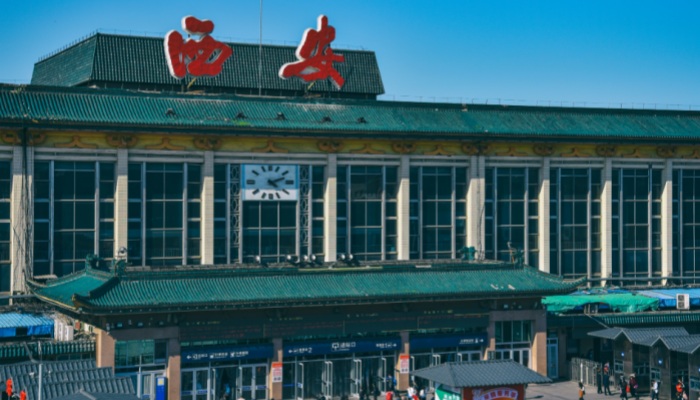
(622, 302)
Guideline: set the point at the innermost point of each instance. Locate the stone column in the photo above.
(475, 204)
(403, 213)
(606, 222)
(21, 216)
(543, 217)
(172, 370)
(121, 201)
(207, 209)
(330, 210)
(104, 349)
(277, 357)
(667, 220)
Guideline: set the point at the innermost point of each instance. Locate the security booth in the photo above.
(480, 380)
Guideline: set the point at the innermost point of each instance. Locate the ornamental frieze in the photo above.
(606, 150)
(271, 147)
(165, 145)
(403, 147)
(439, 151)
(208, 143)
(75, 143)
(330, 146)
(575, 152)
(511, 152)
(666, 151)
(32, 139)
(475, 148)
(122, 141)
(633, 154)
(367, 149)
(543, 150)
(694, 155)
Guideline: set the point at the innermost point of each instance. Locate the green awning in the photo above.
(623, 302)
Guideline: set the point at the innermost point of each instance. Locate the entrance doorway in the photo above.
(211, 383)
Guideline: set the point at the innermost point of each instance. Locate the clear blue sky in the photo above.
(602, 53)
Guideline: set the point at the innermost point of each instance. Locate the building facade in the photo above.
(106, 154)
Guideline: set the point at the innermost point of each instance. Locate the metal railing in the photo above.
(584, 370)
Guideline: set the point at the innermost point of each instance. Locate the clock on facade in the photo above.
(270, 182)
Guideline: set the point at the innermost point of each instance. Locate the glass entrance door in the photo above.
(327, 379)
(146, 385)
(469, 356)
(251, 383)
(195, 384)
(299, 381)
(356, 377)
(521, 356)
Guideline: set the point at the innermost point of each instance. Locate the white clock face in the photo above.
(270, 182)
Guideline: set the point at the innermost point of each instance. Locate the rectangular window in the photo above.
(5, 193)
(511, 213)
(164, 214)
(317, 185)
(636, 222)
(367, 212)
(513, 332)
(686, 219)
(271, 229)
(73, 215)
(221, 184)
(130, 353)
(438, 212)
(575, 230)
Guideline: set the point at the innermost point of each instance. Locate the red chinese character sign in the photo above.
(315, 56)
(205, 56)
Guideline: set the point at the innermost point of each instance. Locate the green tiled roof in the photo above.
(649, 318)
(141, 60)
(196, 288)
(19, 350)
(114, 110)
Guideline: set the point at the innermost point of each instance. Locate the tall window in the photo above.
(244, 229)
(162, 197)
(5, 192)
(73, 214)
(686, 224)
(367, 212)
(575, 222)
(636, 222)
(438, 197)
(511, 213)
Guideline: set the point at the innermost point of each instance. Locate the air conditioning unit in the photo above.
(683, 301)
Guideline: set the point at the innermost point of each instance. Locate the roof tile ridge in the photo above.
(94, 56)
(97, 292)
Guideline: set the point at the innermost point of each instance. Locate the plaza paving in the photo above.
(568, 390)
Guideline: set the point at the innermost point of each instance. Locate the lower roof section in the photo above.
(191, 288)
(481, 373)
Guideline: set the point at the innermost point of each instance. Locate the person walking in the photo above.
(634, 386)
(624, 387)
(581, 391)
(680, 389)
(606, 382)
(655, 390)
(599, 379)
